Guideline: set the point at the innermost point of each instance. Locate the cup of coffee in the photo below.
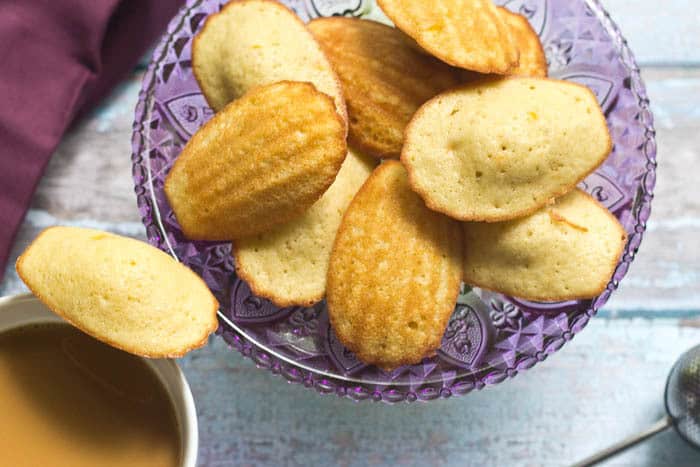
(69, 399)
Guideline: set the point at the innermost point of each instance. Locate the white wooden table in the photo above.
(604, 385)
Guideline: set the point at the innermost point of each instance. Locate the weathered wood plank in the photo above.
(666, 273)
(665, 32)
(89, 176)
(90, 179)
(604, 385)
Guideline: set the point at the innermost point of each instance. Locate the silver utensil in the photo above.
(682, 399)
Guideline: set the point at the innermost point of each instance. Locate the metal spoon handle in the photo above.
(617, 448)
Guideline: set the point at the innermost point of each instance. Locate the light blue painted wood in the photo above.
(604, 385)
(666, 274)
(659, 32)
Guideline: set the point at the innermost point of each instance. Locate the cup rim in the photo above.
(167, 370)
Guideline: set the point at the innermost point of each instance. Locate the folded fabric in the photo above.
(59, 57)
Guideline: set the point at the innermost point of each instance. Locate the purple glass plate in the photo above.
(490, 337)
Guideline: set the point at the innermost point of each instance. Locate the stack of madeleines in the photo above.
(480, 157)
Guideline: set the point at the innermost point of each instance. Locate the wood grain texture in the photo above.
(88, 182)
(604, 385)
(675, 38)
(666, 274)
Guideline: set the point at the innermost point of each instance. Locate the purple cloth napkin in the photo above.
(57, 59)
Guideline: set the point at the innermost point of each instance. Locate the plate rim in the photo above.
(325, 382)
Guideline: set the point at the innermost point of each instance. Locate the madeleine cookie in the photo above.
(385, 80)
(288, 264)
(532, 59)
(119, 290)
(500, 149)
(470, 35)
(261, 161)
(566, 251)
(255, 42)
(394, 274)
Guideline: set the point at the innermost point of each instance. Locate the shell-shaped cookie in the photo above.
(532, 58)
(119, 290)
(499, 149)
(256, 42)
(289, 264)
(385, 79)
(261, 161)
(394, 274)
(566, 251)
(470, 35)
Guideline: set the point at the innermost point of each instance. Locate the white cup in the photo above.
(21, 310)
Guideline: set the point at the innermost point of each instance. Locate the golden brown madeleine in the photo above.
(261, 161)
(289, 264)
(394, 274)
(532, 59)
(566, 251)
(470, 35)
(255, 42)
(385, 79)
(119, 290)
(499, 149)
